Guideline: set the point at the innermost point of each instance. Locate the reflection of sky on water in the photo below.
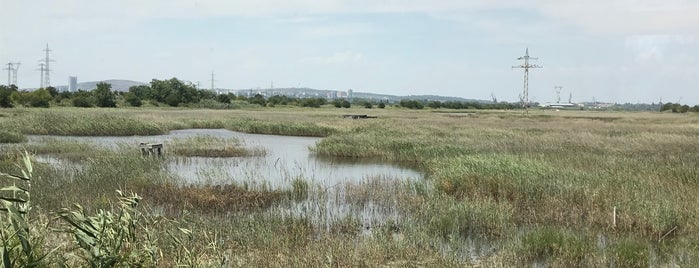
(287, 158)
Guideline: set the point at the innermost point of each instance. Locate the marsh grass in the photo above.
(539, 187)
(557, 247)
(83, 123)
(209, 146)
(11, 136)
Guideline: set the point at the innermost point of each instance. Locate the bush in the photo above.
(133, 100)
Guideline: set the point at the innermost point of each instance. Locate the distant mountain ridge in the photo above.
(124, 85)
(117, 85)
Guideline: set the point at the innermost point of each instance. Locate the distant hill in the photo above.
(323, 93)
(117, 85)
(124, 85)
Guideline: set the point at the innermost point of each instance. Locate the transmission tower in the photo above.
(14, 73)
(46, 80)
(212, 80)
(9, 73)
(42, 68)
(558, 93)
(526, 66)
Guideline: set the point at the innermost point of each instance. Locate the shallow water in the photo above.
(287, 158)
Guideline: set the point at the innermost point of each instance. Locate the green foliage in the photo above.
(258, 99)
(5, 93)
(381, 105)
(110, 239)
(173, 92)
(83, 99)
(411, 104)
(52, 91)
(20, 247)
(133, 100)
(104, 96)
(678, 108)
(312, 102)
(224, 98)
(36, 98)
(341, 103)
(143, 92)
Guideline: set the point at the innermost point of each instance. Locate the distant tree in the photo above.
(173, 92)
(312, 102)
(223, 98)
(368, 104)
(258, 99)
(83, 99)
(341, 103)
(411, 104)
(143, 92)
(434, 104)
(104, 97)
(5, 96)
(39, 98)
(132, 99)
(381, 105)
(53, 91)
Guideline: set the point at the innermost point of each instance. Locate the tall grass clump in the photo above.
(630, 253)
(210, 146)
(279, 128)
(83, 124)
(11, 136)
(556, 247)
(484, 219)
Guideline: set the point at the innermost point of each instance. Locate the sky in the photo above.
(636, 51)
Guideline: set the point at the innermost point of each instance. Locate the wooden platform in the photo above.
(357, 116)
(151, 148)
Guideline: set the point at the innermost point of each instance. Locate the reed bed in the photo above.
(209, 146)
(568, 189)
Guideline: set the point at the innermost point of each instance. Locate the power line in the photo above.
(526, 66)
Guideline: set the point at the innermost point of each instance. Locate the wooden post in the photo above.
(614, 217)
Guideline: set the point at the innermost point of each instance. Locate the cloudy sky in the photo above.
(609, 50)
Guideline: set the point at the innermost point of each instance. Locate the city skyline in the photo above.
(613, 51)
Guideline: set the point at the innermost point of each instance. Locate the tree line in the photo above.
(175, 93)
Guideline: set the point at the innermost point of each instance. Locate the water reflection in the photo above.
(287, 158)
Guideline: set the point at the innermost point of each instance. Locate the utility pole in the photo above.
(558, 93)
(526, 66)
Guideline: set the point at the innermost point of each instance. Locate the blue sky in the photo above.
(615, 51)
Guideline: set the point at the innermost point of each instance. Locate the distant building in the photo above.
(72, 83)
(349, 94)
